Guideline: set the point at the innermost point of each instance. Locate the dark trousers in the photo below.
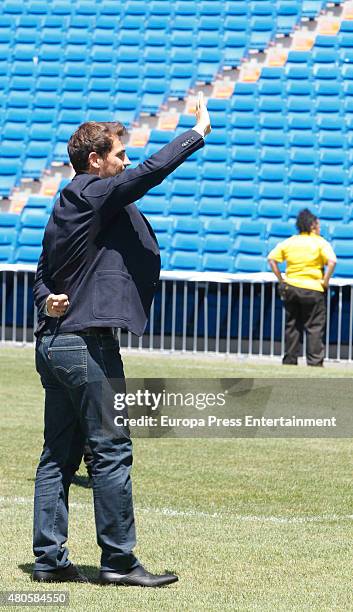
(80, 375)
(305, 310)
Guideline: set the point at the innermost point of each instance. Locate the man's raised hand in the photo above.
(203, 125)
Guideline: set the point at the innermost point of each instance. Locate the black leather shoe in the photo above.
(67, 574)
(137, 577)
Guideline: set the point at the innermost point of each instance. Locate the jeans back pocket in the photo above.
(68, 360)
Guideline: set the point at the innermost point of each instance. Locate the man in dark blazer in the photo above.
(98, 270)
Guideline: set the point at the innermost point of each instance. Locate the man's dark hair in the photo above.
(305, 220)
(92, 136)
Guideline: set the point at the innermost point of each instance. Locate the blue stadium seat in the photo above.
(251, 228)
(87, 8)
(241, 208)
(243, 171)
(335, 176)
(213, 24)
(288, 13)
(162, 225)
(249, 244)
(299, 104)
(215, 153)
(243, 119)
(302, 138)
(273, 138)
(261, 29)
(27, 254)
(13, 131)
(11, 7)
(274, 155)
(11, 220)
(34, 218)
(343, 249)
(6, 253)
(302, 172)
(339, 231)
(38, 156)
(208, 64)
(39, 202)
(301, 156)
(31, 236)
(153, 95)
(218, 226)
(187, 225)
(272, 199)
(332, 212)
(163, 239)
(11, 149)
(155, 201)
(299, 121)
(217, 262)
(211, 206)
(182, 204)
(249, 263)
(244, 137)
(272, 172)
(62, 8)
(210, 8)
(281, 229)
(125, 110)
(135, 154)
(272, 121)
(213, 171)
(344, 268)
(295, 206)
(8, 228)
(186, 242)
(271, 209)
(9, 171)
(234, 47)
(181, 80)
(323, 55)
(185, 260)
(302, 191)
(187, 171)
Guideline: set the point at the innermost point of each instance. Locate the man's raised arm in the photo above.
(109, 194)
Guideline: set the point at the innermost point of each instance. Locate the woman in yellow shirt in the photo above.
(303, 287)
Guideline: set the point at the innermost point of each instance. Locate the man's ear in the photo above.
(94, 160)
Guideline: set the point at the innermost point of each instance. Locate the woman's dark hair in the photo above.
(92, 136)
(305, 221)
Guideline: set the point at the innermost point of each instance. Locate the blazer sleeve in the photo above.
(41, 289)
(111, 194)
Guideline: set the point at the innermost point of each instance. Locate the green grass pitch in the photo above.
(247, 524)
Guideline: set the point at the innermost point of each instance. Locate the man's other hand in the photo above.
(57, 304)
(203, 125)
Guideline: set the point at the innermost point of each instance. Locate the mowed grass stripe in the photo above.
(248, 524)
(7, 503)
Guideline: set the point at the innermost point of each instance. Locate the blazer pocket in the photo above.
(112, 295)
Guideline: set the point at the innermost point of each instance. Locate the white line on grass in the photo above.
(249, 518)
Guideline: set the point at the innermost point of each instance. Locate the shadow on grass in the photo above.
(90, 571)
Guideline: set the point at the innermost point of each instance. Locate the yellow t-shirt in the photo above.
(306, 255)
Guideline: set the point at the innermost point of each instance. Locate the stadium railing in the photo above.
(197, 312)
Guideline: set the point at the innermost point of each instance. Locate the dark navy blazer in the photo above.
(101, 251)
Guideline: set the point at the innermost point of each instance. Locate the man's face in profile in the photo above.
(116, 160)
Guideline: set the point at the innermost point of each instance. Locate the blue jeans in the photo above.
(80, 375)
